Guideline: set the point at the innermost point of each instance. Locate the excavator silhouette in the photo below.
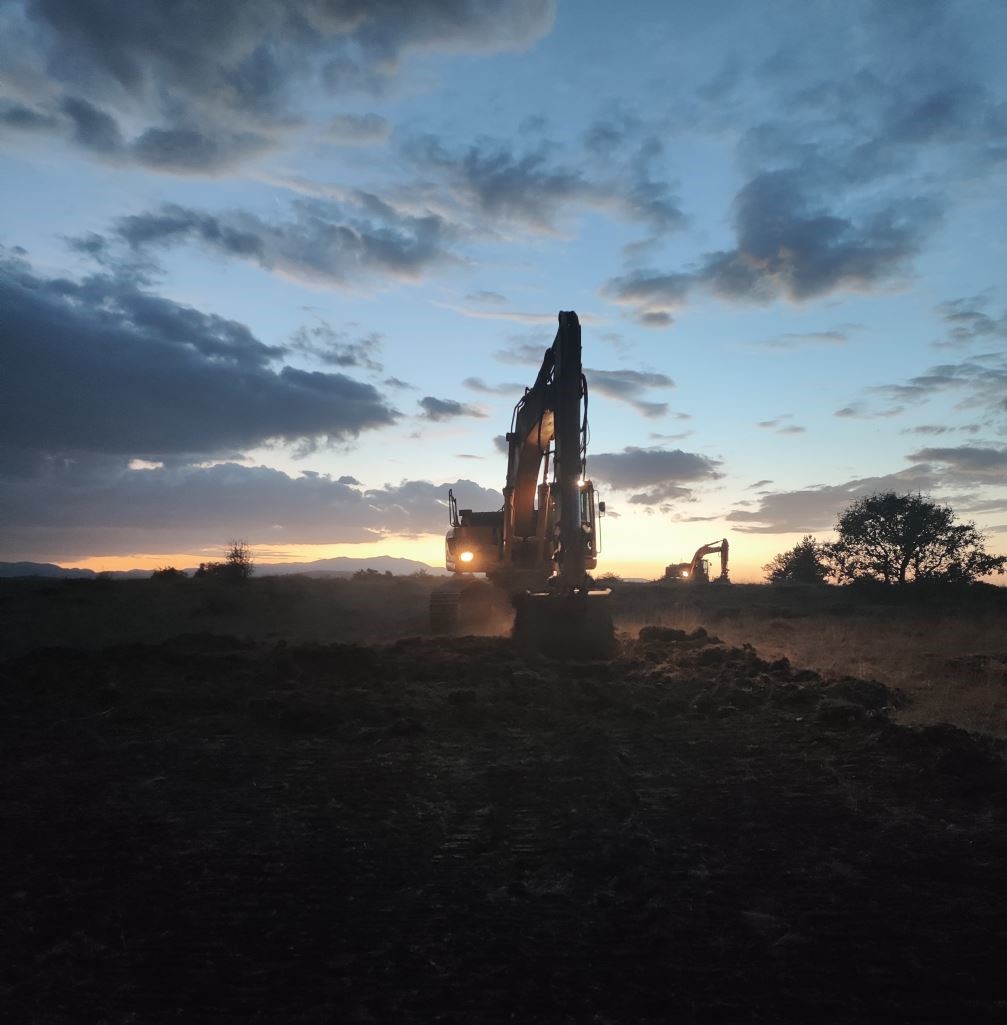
(697, 571)
(540, 546)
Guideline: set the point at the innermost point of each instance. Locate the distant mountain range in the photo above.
(338, 567)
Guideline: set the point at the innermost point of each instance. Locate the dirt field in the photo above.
(242, 828)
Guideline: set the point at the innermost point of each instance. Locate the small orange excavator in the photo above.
(698, 571)
(540, 546)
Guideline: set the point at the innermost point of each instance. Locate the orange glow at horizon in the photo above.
(427, 548)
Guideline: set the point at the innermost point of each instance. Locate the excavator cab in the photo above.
(474, 544)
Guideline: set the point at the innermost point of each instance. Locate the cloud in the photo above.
(492, 182)
(968, 322)
(817, 508)
(513, 315)
(104, 366)
(779, 425)
(523, 353)
(358, 129)
(419, 506)
(967, 463)
(859, 411)
(75, 509)
(655, 475)
(490, 298)
(20, 117)
(93, 129)
(321, 242)
(806, 339)
(847, 174)
(627, 386)
(324, 343)
(447, 409)
(978, 383)
(790, 245)
(477, 384)
(205, 87)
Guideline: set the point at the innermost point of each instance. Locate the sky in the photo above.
(280, 269)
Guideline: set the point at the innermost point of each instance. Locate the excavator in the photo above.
(540, 546)
(697, 571)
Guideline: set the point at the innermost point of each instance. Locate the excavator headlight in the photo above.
(685, 572)
(466, 556)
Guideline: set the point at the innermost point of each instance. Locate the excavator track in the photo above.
(465, 606)
(445, 604)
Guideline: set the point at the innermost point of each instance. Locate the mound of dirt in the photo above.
(449, 830)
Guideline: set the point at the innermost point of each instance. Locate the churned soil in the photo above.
(212, 830)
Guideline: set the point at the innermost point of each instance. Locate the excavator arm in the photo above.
(714, 548)
(545, 522)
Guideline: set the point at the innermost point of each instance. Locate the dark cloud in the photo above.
(496, 183)
(523, 353)
(492, 181)
(447, 409)
(627, 386)
(779, 425)
(322, 342)
(789, 245)
(967, 463)
(655, 318)
(93, 129)
(184, 150)
(859, 411)
(968, 322)
(488, 298)
(104, 366)
(210, 85)
(805, 339)
(939, 429)
(420, 507)
(848, 175)
(358, 129)
(75, 509)
(20, 117)
(657, 436)
(978, 384)
(655, 475)
(321, 242)
(817, 508)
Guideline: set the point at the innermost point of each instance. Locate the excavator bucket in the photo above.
(565, 625)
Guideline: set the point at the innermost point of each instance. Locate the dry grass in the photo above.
(949, 661)
(948, 655)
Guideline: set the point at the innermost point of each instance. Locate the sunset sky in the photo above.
(280, 270)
